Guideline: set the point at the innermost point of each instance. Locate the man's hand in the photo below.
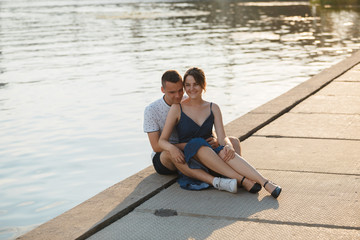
(180, 146)
(227, 153)
(213, 142)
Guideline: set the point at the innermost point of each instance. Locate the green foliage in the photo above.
(336, 2)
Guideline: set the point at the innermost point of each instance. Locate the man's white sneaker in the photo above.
(225, 184)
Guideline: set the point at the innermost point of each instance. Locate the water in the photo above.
(75, 77)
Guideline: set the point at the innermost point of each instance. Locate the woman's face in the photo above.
(192, 89)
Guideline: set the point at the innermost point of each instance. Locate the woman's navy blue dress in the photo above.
(195, 136)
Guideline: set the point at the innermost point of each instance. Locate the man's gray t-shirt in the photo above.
(155, 116)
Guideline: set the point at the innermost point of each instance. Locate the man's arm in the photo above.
(154, 141)
(180, 146)
(213, 140)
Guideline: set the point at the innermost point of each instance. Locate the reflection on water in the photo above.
(75, 77)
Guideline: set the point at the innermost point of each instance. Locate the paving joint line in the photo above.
(312, 172)
(326, 113)
(318, 138)
(286, 109)
(256, 220)
(348, 81)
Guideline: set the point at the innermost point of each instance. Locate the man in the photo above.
(154, 121)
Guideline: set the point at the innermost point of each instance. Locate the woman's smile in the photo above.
(192, 88)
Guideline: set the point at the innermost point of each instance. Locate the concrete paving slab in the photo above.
(315, 125)
(356, 67)
(248, 124)
(341, 89)
(102, 209)
(353, 75)
(322, 202)
(329, 104)
(325, 200)
(299, 154)
(194, 227)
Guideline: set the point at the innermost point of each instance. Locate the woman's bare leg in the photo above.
(210, 159)
(184, 168)
(247, 183)
(195, 173)
(240, 165)
(200, 174)
(234, 168)
(236, 144)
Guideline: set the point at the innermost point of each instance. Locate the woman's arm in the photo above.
(229, 152)
(171, 120)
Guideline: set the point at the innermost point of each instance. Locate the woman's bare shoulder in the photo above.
(185, 101)
(215, 107)
(174, 112)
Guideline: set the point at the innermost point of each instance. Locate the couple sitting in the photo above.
(180, 133)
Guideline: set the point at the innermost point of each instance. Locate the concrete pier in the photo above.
(306, 140)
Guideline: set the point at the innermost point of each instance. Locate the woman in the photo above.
(194, 119)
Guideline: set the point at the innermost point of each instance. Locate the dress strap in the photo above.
(211, 106)
(180, 107)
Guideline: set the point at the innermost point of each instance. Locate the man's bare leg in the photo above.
(165, 159)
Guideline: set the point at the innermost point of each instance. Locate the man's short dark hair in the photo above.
(170, 76)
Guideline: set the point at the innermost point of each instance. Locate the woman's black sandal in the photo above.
(255, 189)
(276, 191)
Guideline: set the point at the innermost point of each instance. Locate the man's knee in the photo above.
(165, 155)
(162, 167)
(167, 161)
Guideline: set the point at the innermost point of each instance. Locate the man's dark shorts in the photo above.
(159, 167)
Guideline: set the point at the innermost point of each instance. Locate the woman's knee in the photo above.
(221, 154)
(204, 150)
(236, 144)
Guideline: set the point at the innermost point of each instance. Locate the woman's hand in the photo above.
(177, 155)
(227, 153)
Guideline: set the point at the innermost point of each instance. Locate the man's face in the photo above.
(173, 92)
